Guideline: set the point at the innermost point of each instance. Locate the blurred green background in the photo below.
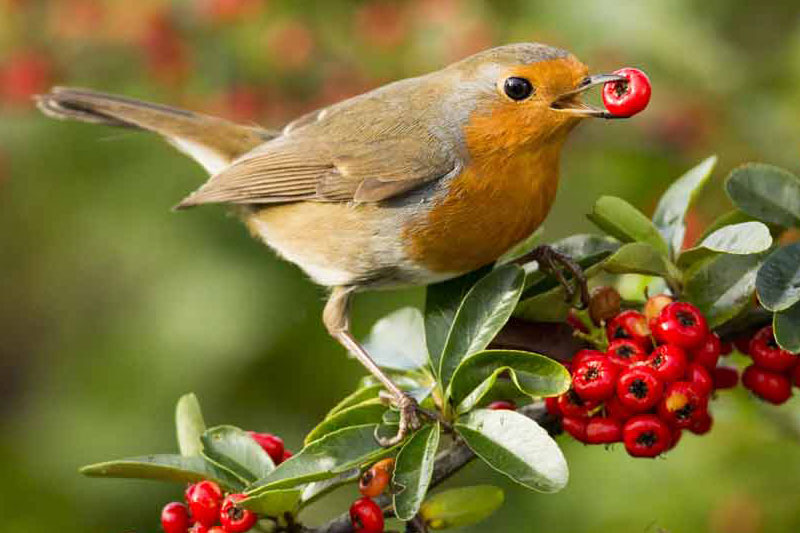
(111, 305)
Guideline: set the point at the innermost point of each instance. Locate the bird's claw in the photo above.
(551, 260)
(409, 421)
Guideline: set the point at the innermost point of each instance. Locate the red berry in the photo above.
(603, 430)
(682, 404)
(594, 379)
(639, 388)
(625, 352)
(725, 377)
(767, 354)
(575, 427)
(669, 362)
(700, 377)
(217, 529)
(582, 355)
(286, 455)
(24, 74)
(502, 405)
(366, 516)
(654, 305)
(626, 98)
(199, 528)
(373, 482)
(271, 444)
(676, 437)
(702, 425)
(646, 436)
(680, 323)
(204, 499)
(796, 376)
(175, 518)
(742, 343)
(630, 325)
(726, 348)
(551, 404)
(770, 386)
(572, 405)
(707, 354)
(615, 409)
(235, 519)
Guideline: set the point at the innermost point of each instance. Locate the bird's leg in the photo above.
(336, 317)
(552, 261)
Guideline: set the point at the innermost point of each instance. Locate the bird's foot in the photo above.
(555, 262)
(409, 420)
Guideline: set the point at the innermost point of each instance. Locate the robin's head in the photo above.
(522, 95)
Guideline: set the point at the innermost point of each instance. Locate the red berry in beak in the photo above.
(646, 436)
(639, 388)
(626, 98)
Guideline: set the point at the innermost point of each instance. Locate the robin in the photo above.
(415, 182)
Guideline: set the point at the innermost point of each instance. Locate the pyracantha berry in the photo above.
(271, 444)
(199, 528)
(502, 405)
(594, 379)
(680, 323)
(767, 354)
(615, 409)
(707, 354)
(726, 348)
(551, 403)
(646, 436)
(603, 430)
(639, 388)
(725, 377)
(626, 98)
(205, 500)
(654, 305)
(218, 529)
(576, 427)
(702, 425)
(682, 405)
(235, 519)
(743, 343)
(767, 385)
(366, 516)
(175, 518)
(582, 355)
(625, 352)
(373, 481)
(700, 377)
(677, 433)
(570, 404)
(669, 362)
(630, 325)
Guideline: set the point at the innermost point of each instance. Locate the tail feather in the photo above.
(211, 141)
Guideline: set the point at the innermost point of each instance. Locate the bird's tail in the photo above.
(212, 142)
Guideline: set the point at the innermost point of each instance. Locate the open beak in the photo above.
(570, 101)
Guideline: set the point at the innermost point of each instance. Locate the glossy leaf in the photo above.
(516, 446)
(164, 467)
(362, 394)
(722, 286)
(317, 489)
(413, 470)
(189, 425)
(397, 341)
(671, 210)
(274, 502)
(533, 374)
(333, 454)
(624, 222)
(766, 192)
(778, 281)
(786, 327)
(442, 301)
(637, 258)
(734, 216)
(461, 507)
(739, 239)
(483, 312)
(368, 412)
(234, 450)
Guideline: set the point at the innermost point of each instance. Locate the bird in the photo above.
(415, 182)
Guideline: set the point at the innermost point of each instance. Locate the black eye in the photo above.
(518, 88)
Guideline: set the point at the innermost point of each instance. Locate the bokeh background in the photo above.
(111, 305)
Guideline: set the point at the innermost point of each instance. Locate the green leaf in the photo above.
(722, 286)
(778, 281)
(273, 502)
(622, 221)
(442, 301)
(671, 210)
(483, 312)
(637, 258)
(317, 489)
(734, 216)
(768, 193)
(189, 425)
(786, 327)
(461, 507)
(367, 412)
(413, 470)
(533, 374)
(325, 458)
(362, 394)
(234, 450)
(516, 446)
(164, 467)
(397, 341)
(739, 239)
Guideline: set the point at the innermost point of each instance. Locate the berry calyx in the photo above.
(669, 362)
(603, 430)
(502, 405)
(594, 379)
(366, 516)
(625, 352)
(767, 354)
(770, 386)
(630, 325)
(576, 427)
(626, 98)
(682, 404)
(639, 388)
(271, 444)
(682, 324)
(175, 518)
(646, 436)
(235, 519)
(375, 480)
(205, 499)
(700, 377)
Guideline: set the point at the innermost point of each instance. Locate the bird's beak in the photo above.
(570, 102)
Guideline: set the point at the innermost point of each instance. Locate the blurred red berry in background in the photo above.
(23, 74)
(165, 52)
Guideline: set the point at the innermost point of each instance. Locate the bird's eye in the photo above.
(518, 88)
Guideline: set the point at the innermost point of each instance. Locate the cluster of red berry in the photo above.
(366, 515)
(209, 510)
(653, 381)
(773, 371)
